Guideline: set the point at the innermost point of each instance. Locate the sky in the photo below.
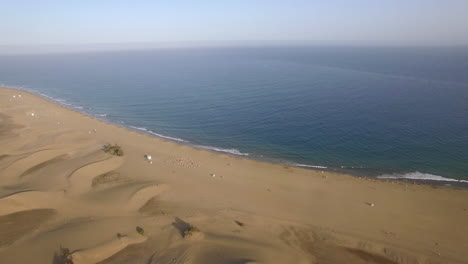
(211, 22)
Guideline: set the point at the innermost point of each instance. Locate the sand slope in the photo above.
(58, 189)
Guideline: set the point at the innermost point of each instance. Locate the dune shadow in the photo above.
(369, 257)
(18, 224)
(238, 261)
(50, 162)
(225, 255)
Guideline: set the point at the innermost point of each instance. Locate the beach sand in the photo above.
(62, 197)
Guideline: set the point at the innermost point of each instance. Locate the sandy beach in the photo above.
(62, 199)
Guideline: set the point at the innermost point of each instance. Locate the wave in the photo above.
(230, 151)
(310, 166)
(352, 167)
(46, 96)
(166, 137)
(140, 128)
(419, 176)
(144, 129)
(57, 100)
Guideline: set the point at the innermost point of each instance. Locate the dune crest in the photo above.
(29, 200)
(141, 196)
(81, 179)
(105, 250)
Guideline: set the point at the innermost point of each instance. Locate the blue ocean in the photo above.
(389, 112)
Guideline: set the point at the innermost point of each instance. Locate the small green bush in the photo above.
(64, 256)
(140, 230)
(239, 223)
(190, 230)
(115, 149)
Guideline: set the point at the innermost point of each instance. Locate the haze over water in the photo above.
(401, 111)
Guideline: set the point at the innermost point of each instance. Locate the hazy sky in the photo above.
(342, 22)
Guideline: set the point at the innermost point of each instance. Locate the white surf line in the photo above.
(419, 176)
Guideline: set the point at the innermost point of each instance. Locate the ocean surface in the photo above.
(384, 112)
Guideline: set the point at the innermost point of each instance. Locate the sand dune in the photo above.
(62, 198)
(81, 179)
(16, 225)
(143, 195)
(27, 164)
(29, 200)
(105, 250)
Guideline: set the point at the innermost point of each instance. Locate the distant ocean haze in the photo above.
(387, 112)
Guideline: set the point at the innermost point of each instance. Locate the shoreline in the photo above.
(435, 181)
(191, 205)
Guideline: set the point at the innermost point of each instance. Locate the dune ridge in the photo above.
(59, 190)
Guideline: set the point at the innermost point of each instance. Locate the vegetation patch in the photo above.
(64, 256)
(239, 223)
(140, 230)
(114, 149)
(187, 230)
(190, 231)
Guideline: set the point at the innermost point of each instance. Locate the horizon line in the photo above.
(46, 48)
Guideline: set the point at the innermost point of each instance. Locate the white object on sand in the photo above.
(370, 204)
(148, 157)
(213, 175)
(19, 95)
(32, 114)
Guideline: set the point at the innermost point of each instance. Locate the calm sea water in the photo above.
(391, 112)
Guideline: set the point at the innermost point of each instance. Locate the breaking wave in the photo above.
(144, 129)
(310, 166)
(419, 176)
(230, 151)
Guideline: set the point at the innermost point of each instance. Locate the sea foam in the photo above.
(419, 176)
(144, 129)
(230, 151)
(310, 166)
